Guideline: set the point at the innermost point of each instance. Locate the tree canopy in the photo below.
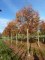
(26, 18)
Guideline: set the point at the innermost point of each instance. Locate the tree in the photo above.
(28, 18)
(42, 27)
(11, 28)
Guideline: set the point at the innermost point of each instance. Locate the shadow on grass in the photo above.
(35, 57)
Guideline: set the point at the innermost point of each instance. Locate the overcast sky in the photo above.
(10, 7)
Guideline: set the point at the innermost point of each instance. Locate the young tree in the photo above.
(11, 28)
(28, 17)
(42, 27)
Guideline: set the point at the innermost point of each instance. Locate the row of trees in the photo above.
(26, 18)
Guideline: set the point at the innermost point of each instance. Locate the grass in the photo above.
(6, 53)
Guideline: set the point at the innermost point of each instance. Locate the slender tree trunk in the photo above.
(16, 43)
(28, 44)
(38, 40)
(11, 38)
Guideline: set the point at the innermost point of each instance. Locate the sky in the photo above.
(10, 7)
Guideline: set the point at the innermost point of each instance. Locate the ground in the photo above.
(20, 49)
